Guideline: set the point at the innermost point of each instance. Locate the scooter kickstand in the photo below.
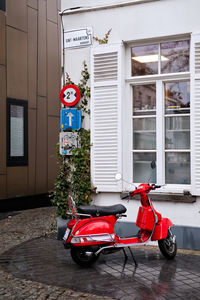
(136, 264)
(126, 257)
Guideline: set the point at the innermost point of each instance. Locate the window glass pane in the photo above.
(144, 99)
(144, 60)
(16, 130)
(177, 97)
(142, 167)
(177, 168)
(175, 57)
(144, 134)
(2, 5)
(177, 133)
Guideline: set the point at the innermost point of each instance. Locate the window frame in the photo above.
(17, 160)
(3, 5)
(158, 79)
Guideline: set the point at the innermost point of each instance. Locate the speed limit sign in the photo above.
(70, 95)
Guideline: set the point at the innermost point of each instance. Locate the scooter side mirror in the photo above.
(153, 164)
(118, 176)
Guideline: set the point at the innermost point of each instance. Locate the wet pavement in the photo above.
(34, 265)
(46, 261)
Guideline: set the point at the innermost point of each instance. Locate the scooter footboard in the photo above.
(160, 231)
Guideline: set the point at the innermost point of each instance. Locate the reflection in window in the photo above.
(142, 167)
(17, 132)
(144, 60)
(144, 134)
(177, 168)
(144, 99)
(177, 54)
(3, 5)
(177, 132)
(177, 97)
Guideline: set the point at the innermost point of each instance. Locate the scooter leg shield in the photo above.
(160, 231)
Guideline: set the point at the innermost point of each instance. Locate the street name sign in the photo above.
(78, 38)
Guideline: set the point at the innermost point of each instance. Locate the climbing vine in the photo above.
(74, 173)
(105, 39)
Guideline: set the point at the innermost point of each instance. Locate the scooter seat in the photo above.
(96, 211)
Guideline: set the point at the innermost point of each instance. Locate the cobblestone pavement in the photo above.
(21, 227)
(34, 265)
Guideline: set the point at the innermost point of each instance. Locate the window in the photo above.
(161, 111)
(2, 5)
(17, 132)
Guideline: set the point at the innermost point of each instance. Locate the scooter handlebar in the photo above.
(155, 186)
(139, 190)
(126, 196)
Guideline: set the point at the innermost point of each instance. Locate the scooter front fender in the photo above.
(161, 229)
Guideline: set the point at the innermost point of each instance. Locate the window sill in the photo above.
(180, 198)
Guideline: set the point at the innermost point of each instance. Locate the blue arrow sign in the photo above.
(70, 118)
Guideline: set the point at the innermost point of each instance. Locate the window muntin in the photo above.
(144, 130)
(166, 134)
(162, 58)
(177, 132)
(17, 132)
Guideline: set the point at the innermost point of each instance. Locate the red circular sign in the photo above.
(70, 95)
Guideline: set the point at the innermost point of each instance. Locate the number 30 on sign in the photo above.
(70, 95)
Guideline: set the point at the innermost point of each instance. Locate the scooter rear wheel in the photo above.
(167, 246)
(83, 256)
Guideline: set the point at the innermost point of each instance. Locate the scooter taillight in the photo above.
(71, 223)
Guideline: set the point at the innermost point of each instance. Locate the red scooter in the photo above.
(91, 229)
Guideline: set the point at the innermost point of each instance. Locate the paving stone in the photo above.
(34, 265)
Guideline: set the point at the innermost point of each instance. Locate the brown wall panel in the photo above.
(42, 48)
(53, 139)
(2, 187)
(32, 57)
(2, 39)
(16, 64)
(17, 181)
(52, 11)
(32, 127)
(17, 14)
(33, 3)
(59, 50)
(41, 152)
(53, 82)
(59, 5)
(2, 120)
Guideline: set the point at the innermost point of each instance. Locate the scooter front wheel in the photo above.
(83, 256)
(168, 246)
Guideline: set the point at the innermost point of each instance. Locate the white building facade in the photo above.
(145, 103)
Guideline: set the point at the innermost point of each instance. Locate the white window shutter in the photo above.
(106, 85)
(195, 113)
